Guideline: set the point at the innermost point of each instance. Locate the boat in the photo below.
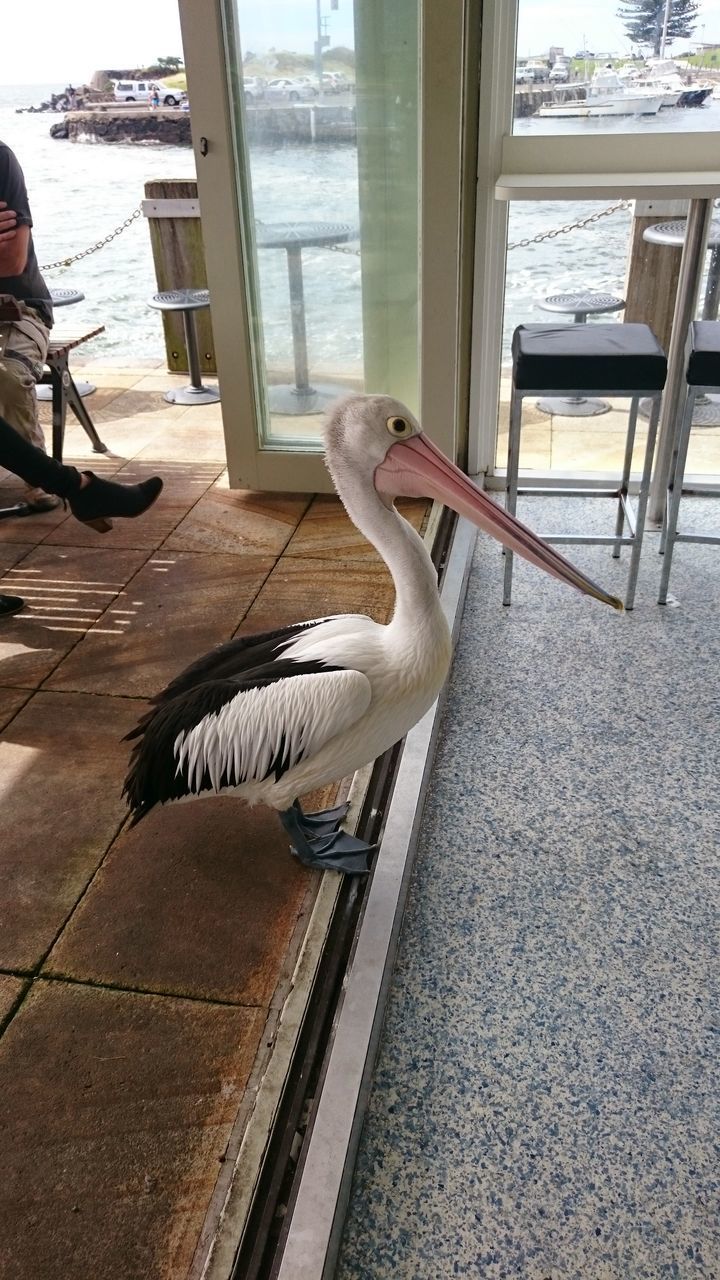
(607, 96)
(636, 79)
(664, 73)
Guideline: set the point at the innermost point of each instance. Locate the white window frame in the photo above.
(549, 167)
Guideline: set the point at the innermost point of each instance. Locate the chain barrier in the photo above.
(543, 235)
(342, 248)
(571, 226)
(100, 244)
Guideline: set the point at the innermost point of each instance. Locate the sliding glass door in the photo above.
(308, 127)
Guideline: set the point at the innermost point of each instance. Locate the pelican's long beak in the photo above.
(417, 469)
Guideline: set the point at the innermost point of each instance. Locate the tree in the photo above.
(170, 64)
(643, 20)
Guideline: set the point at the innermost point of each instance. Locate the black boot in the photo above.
(10, 604)
(99, 500)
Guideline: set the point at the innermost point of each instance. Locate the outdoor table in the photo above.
(187, 301)
(293, 237)
(707, 411)
(66, 298)
(579, 304)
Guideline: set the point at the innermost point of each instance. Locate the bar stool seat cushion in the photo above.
(704, 363)
(598, 357)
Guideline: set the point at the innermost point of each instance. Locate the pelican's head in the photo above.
(376, 440)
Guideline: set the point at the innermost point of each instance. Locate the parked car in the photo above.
(287, 90)
(335, 82)
(540, 71)
(524, 75)
(584, 53)
(142, 91)
(560, 74)
(253, 88)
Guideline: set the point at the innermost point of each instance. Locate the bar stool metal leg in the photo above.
(511, 483)
(674, 494)
(625, 478)
(642, 504)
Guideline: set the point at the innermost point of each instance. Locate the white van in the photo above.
(141, 91)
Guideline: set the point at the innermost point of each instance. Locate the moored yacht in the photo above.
(607, 96)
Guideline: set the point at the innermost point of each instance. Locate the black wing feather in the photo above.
(153, 778)
(234, 658)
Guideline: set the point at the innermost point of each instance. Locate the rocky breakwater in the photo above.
(140, 125)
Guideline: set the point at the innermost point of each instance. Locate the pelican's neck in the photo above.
(417, 603)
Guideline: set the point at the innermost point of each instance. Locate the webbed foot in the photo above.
(332, 850)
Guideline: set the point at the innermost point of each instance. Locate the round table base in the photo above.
(705, 414)
(83, 389)
(582, 408)
(293, 401)
(192, 395)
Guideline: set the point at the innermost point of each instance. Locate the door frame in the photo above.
(447, 86)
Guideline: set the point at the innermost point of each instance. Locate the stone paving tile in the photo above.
(10, 989)
(11, 701)
(239, 521)
(133, 403)
(61, 772)
(198, 899)
(12, 552)
(299, 589)
(326, 530)
(66, 590)
(25, 529)
(176, 608)
(118, 1108)
(183, 442)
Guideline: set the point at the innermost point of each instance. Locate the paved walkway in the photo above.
(545, 1103)
(141, 972)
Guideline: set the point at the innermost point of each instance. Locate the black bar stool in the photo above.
(702, 376)
(580, 305)
(604, 359)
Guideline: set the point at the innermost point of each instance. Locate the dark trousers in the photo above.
(34, 466)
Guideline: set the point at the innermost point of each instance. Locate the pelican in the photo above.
(270, 717)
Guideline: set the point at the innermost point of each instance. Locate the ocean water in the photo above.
(80, 192)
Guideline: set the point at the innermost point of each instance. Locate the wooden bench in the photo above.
(64, 392)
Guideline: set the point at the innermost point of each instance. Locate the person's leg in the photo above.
(91, 499)
(24, 348)
(33, 466)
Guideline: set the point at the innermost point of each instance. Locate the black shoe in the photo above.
(10, 604)
(99, 500)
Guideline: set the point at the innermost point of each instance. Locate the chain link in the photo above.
(543, 235)
(571, 226)
(85, 253)
(341, 248)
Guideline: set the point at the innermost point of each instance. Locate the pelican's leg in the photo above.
(324, 822)
(336, 852)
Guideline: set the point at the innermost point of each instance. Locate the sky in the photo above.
(69, 40)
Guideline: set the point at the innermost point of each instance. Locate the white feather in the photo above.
(299, 714)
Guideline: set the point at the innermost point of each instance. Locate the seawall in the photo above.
(266, 125)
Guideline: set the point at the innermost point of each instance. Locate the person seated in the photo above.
(91, 500)
(26, 315)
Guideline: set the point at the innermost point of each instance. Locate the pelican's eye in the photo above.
(399, 427)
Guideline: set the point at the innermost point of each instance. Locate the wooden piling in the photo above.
(653, 269)
(179, 257)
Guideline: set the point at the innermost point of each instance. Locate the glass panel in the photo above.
(598, 272)
(643, 66)
(325, 101)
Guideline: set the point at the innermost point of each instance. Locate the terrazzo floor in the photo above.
(545, 1103)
